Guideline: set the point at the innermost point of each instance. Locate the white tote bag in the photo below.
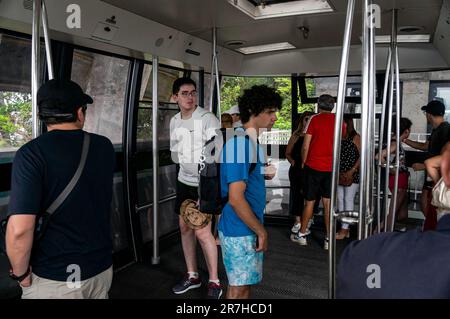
(441, 196)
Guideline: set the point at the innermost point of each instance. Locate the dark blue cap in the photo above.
(61, 97)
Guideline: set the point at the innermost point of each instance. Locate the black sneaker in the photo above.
(214, 290)
(186, 284)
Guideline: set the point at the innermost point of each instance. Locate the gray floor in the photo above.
(290, 272)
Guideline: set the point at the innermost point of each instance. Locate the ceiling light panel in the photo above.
(266, 48)
(283, 9)
(404, 38)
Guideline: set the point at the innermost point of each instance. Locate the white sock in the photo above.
(193, 274)
(217, 281)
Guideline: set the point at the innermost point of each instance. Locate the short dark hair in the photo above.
(178, 83)
(257, 99)
(326, 102)
(405, 124)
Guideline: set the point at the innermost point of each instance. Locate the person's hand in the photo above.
(27, 281)
(269, 172)
(348, 175)
(262, 241)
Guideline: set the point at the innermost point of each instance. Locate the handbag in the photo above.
(441, 196)
(42, 220)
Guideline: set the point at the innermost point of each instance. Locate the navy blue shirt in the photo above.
(397, 265)
(79, 232)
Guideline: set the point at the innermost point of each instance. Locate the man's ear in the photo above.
(80, 115)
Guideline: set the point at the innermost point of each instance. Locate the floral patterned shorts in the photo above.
(242, 263)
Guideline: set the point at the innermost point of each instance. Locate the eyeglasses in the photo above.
(186, 94)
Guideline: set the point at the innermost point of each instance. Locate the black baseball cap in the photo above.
(61, 97)
(434, 108)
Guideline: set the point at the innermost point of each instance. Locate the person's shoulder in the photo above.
(205, 114)
(100, 140)
(176, 117)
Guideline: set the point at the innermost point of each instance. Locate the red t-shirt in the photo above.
(320, 153)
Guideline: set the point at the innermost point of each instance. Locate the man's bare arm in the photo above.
(242, 208)
(417, 145)
(19, 242)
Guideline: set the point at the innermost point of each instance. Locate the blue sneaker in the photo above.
(186, 284)
(214, 291)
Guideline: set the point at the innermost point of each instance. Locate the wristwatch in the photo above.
(21, 277)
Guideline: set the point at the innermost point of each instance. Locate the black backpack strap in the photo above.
(66, 192)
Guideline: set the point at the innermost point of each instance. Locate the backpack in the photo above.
(209, 190)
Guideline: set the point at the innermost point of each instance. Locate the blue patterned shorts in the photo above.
(242, 263)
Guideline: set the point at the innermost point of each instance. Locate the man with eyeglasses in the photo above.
(189, 131)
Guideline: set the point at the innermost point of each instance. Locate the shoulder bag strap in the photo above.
(62, 197)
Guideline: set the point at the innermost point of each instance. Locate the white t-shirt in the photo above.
(187, 138)
(237, 124)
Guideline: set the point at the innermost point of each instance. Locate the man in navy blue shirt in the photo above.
(400, 265)
(242, 234)
(73, 259)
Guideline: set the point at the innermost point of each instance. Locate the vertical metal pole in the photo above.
(365, 145)
(48, 46)
(213, 67)
(216, 65)
(390, 111)
(155, 150)
(397, 116)
(35, 64)
(337, 147)
(381, 138)
(371, 123)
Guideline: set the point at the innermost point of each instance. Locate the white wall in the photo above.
(133, 32)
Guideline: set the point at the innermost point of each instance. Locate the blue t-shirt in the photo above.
(237, 155)
(79, 232)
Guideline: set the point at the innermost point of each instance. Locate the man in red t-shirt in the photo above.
(317, 154)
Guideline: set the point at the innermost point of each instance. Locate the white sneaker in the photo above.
(326, 244)
(296, 228)
(300, 239)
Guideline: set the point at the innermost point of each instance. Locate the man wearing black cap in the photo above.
(73, 258)
(440, 135)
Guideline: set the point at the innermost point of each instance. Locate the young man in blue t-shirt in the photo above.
(242, 234)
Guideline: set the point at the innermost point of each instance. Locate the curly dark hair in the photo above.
(256, 100)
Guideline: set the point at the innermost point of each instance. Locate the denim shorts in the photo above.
(242, 263)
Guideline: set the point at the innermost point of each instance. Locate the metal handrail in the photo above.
(337, 146)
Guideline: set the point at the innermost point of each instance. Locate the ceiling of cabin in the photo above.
(197, 17)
